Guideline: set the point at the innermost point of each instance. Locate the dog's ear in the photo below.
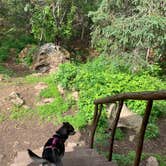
(65, 123)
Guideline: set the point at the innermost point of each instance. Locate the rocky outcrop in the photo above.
(45, 58)
(49, 57)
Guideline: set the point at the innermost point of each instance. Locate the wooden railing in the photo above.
(120, 98)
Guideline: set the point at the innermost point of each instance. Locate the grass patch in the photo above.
(128, 160)
(48, 78)
(2, 117)
(58, 106)
(18, 113)
(119, 135)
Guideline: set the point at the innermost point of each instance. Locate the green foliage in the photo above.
(28, 59)
(129, 29)
(2, 117)
(58, 106)
(103, 77)
(119, 135)
(160, 158)
(68, 72)
(18, 113)
(12, 44)
(152, 131)
(6, 72)
(126, 160)
(53, 21)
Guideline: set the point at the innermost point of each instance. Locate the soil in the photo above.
(31, 133)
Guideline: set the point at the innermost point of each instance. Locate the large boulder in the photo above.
(128, 119)
(49, 57)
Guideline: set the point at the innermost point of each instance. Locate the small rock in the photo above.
(26, 142)
(26, 107)
(45, 101)
(15, 99)
(41, 86)
(152, 161)
(1, 77)
(72, 144)
(15, 144)
(61, 90)
(75, 95)
(131, 138)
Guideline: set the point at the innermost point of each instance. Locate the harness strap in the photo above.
(53, 145)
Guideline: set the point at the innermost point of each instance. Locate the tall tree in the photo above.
(134, 30)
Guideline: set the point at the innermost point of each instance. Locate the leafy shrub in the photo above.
(18, 113)
(15, 42)
(129, 30)
(101, 78)
(5, 71)
(28, 59)
(152, 131)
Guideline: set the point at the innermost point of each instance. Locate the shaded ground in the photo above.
(32, 133)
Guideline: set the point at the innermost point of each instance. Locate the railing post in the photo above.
(120, 105)
(142, 132)
(95, 122)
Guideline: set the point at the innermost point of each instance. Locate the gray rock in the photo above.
(16, 99)
(152, 161)
(128, 119)
(48, 58)
(41, 85)
(45, 101)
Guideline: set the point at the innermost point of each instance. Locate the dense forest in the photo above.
(115, 45)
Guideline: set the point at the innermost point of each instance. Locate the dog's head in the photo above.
(66, 130)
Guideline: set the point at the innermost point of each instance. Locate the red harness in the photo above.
(53, 145)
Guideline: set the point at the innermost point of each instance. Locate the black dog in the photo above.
(54, 148)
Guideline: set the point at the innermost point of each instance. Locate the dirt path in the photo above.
(29, 132)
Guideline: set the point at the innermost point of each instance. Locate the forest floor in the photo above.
(31, 132)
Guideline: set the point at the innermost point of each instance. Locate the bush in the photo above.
(15, 42)
(101, 78)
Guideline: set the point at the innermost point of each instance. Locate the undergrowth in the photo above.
(18, 113)
(6, 72)
(103, 77)
(54, 110)
(128, 160)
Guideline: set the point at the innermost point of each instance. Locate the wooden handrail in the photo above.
(148, 95)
